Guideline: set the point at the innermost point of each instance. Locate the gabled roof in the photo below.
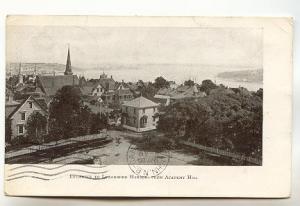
(123, 92)
(107, 83)
(10, 111)
(166, 91)
(86, 90)
(140, 102)
(182, 88)
(118, 84)
(50, 84)
(42, 103)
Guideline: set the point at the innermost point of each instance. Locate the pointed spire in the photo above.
(68, 64)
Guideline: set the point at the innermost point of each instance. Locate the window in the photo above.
(154, 109)
(98, 90)
(21, 129)
(134, 110)
(22, 115)
(144, 110)
(153, 119)
(30, 104)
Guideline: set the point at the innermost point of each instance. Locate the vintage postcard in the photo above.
(148, 106)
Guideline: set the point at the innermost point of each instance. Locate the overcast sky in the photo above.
(92, 46)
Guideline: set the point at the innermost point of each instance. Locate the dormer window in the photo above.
(30, 104)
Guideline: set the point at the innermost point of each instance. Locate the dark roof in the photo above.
(133, 87)
(123, 92)
(50, 84)
(9, 109)
(42, 102)
(107, 83)
(86, 90)
(166, 91)
(182, 88)
(82, 81)
(118, 84)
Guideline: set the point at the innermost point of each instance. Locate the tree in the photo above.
(226, 119)
(259, 93)
(98, 122)
(8, 131)
(36, 127)
(148, 90)
(83, 121)
(189, 83)
(184, 118)
(65, 108)
(207, 86)
(161, 82)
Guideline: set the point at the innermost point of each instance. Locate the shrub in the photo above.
(20, 140)
(156, 143)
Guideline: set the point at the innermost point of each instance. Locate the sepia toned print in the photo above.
(195, 92)
(121, 100)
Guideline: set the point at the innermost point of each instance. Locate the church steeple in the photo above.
(68, 65)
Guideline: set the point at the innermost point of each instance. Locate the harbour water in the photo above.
(177, 73)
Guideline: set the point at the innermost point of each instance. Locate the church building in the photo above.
(50, 84)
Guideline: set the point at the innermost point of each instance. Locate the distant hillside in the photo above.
(243, 76)
(41, 68)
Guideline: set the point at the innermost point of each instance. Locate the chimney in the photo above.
(111, 76)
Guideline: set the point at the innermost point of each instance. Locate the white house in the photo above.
(140, 114)
(97, 90)
(18, 113)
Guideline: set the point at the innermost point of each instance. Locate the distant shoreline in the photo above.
(247, 76)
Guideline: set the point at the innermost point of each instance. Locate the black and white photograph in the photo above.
(137, 95)
(149, 102)
(147, 106)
